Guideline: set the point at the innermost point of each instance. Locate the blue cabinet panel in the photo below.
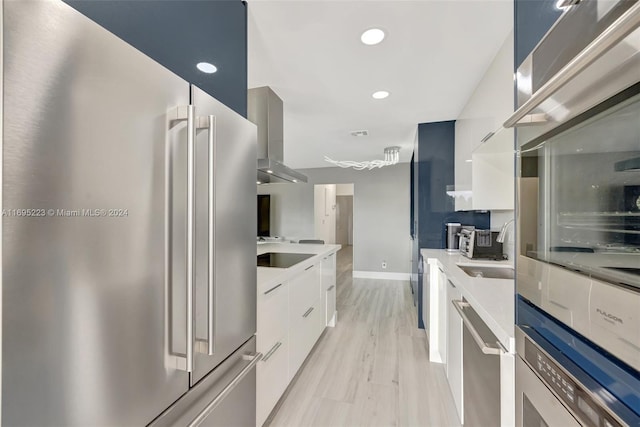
(533, 18)
(436, 172)
(433, 170)
(179, 34)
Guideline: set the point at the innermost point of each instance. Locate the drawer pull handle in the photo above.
(273, 289)
(308, 312)
(308, 268)
(331, 287)
(270, 352)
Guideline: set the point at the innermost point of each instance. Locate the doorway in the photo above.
(344, 220)
(333, 213)
(333, 223)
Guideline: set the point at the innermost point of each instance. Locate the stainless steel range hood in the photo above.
(265, 109)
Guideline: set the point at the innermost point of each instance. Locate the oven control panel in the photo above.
(578, 399)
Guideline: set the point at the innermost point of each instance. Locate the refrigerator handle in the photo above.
(178, 115)
(209, 123)
(191, 225)
(212, 237)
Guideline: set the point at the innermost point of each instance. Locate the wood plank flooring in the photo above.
(372, 369)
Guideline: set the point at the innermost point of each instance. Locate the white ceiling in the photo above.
(310, 53)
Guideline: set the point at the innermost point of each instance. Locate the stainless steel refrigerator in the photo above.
(128, 234)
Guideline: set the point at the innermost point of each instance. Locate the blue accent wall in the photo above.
(180, 33)
(532, 20)
(436, 163)
(433, 171)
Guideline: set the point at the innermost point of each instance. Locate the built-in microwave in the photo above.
(578, 167)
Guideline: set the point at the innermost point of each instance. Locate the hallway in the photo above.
(372, 368)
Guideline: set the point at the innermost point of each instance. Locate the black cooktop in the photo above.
(281, 259)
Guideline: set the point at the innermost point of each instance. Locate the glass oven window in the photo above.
(580, 195)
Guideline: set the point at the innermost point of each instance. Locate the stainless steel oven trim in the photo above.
(521, 336)
(546, 404)
(622, 27)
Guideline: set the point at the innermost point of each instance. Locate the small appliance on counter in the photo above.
(480, 244)
(453, 236)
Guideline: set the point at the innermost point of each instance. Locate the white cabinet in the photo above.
(443, 314)
(291, 317)
(454, 349)
(490, 104)
(272, 372)
(493, 172)
(437, 322)
(305, 330)
(272, 378)
(273, 315)
(304, 290)
(307, 315)
(328, 274)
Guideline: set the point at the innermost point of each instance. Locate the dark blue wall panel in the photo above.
(179, 34)
(433, 171)
(436, 158)
(533, 18)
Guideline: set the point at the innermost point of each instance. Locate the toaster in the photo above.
(480, 244)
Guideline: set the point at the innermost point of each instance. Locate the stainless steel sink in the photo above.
(487, 272)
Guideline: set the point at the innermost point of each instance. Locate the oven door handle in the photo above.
(484, 347)
(622, 27)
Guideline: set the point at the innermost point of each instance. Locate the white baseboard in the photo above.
(381, 275)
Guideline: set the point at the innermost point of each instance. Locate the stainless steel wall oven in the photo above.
(578, 232)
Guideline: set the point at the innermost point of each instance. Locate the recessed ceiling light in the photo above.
(206, 67)
(372, 36)
(269, 171)
(381, 94)
(258, 182)
(295, 180)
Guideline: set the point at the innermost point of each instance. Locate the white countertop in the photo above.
(492, 299)
(270, 276)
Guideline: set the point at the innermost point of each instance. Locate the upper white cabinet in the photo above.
(491, 104)
(492, 173)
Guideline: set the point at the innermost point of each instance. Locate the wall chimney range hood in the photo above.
(265, 109)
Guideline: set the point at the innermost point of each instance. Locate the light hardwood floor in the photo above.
(372, 369)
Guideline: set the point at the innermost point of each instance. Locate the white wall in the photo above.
(291, 210)
(380, 213)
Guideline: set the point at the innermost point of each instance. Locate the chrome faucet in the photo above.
(503, 231)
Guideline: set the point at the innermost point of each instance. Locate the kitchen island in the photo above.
(294, 305)
(268, 276)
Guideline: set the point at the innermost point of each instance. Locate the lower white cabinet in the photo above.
(273, 315)
(454, 349)
(291, 317)
(304, 331)
(272, 378)
(443, 306)
(330, 306)
(328, 279)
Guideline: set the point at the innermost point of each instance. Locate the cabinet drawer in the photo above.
(330, 305)
(272, 378)
(304, 333)
(304, 290)
(328, 267)
(273, 314)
